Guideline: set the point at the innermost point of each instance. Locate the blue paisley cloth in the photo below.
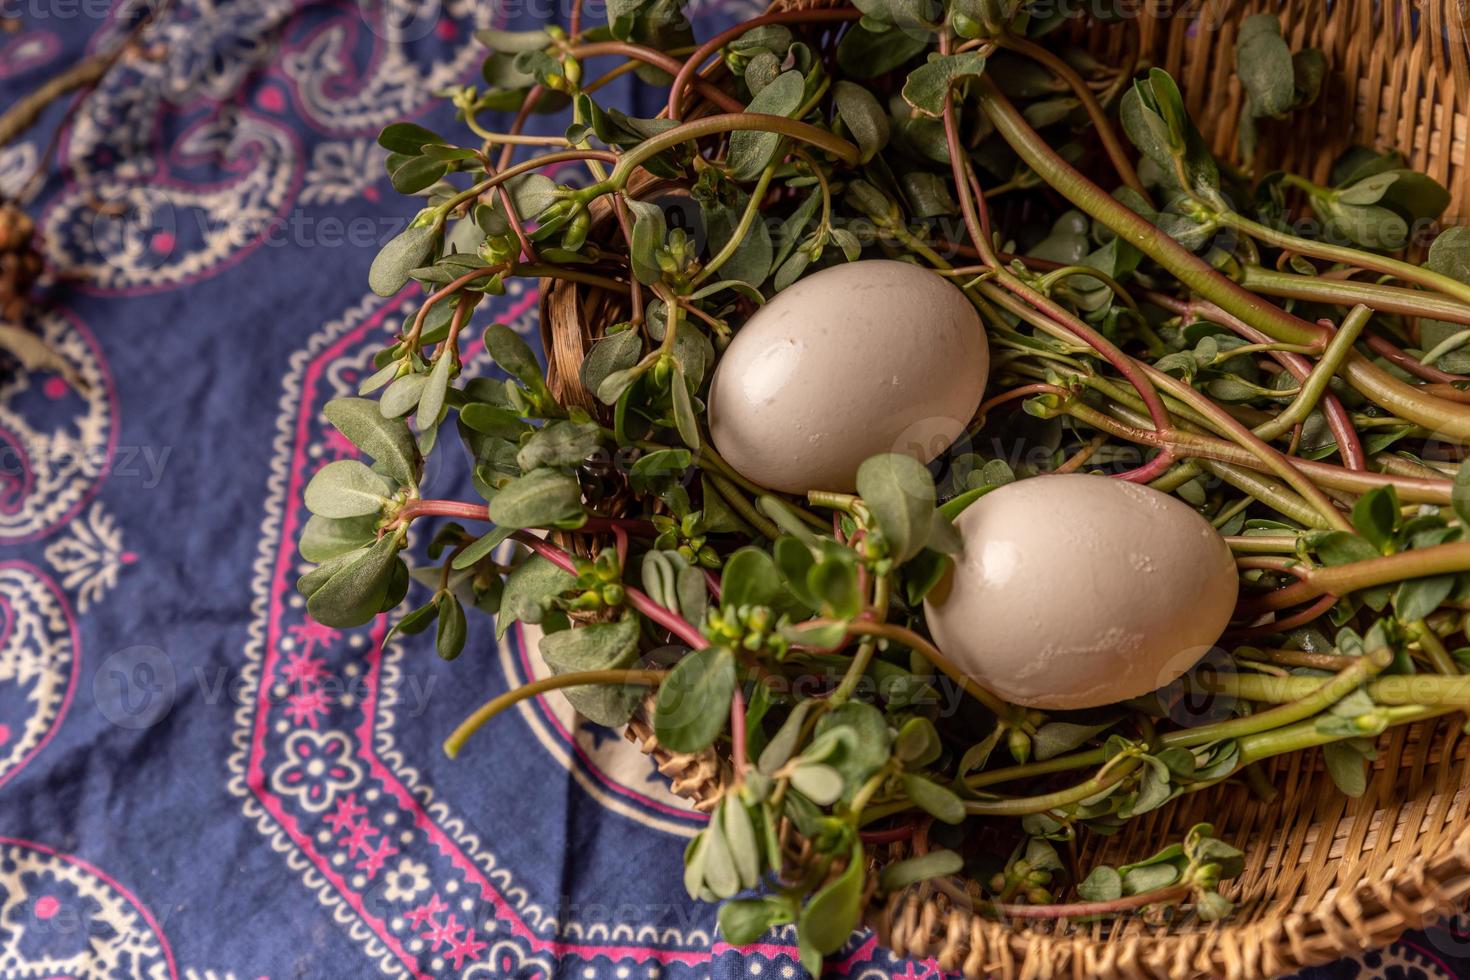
(196, 781)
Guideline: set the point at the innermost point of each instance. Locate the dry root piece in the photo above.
(20, 261)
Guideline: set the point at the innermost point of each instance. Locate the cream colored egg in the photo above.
(1075, 591)
(869, 357)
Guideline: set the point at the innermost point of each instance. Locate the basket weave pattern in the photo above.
(1326, 875)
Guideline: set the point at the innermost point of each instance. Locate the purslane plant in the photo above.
(1180, 324)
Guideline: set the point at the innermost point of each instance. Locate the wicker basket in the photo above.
(1327, 876)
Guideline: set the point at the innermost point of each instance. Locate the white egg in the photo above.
(1075, 591)
(869, 357)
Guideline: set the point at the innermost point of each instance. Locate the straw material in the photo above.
(1326, 875)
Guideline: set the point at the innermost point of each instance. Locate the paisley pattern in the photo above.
(195, 779)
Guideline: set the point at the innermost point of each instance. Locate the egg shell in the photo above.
(1076, 591)
(869, 357)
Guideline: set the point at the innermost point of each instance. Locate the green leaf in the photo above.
(749, 579)
(866, 53)
(926, 85)
(739, 831)
(492, 420)
(346, 488)
(782, 746)
(1104, 884)
(404, 253)
(918, 743)
(684, 418)
(751, 260)
(1460, 492)
(938, 801)
(1149, 877)
(648, 237)
(862, 742)
(416, 174)
(834, 583)
(1263, 62)
(527, 589)
(833, 913)
(864, 118)
(654, 470)
(482, 546)
(598, 646)
(449, 640)
(513, 42)
(402, 396)
(744, 921)
(1370, 226)
(354, 593)
(1376, 516)
(752, 150)
(405, 137)
(541, 498)
(324, 538)
(693, 704)
(514, 355)
(564, 444)
(613, 353)
(414, 622)
(1060, 737)
(1346, 767)
(1449, 255)
(431, 402)
(386, 440)
(899, 492)
(935, 864)
(1418, 597)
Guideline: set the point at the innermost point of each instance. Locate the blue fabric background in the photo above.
(208, 225)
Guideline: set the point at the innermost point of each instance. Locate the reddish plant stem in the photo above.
(514, 219)
(737, 733)
(659, 60)
(1339, 422)
(1078, 910)
(691, 65)
(1300, 618)
(971, 201)
(443, 291)
(1273, 563)
(620, 536)
(1398, 357)
(461, 316)
(677, 625)
(480, 512)
(1024, 391)
(508, 152)
(890, 836)
(1100, 122)
(1339, 580)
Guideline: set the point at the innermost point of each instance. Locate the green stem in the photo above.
(1023, 805)
(1434, 649)
(1384, 299)
(1450, 420)
(1398, 689)
(493, 707)
(1372, 261)
(723, 123)
(747, 218)
(1339, 580)
(733, 496)
(907, 637)
(1304, 735)
(1338, 348)
(1323, 695)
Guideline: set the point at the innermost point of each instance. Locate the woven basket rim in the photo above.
(1371, 912)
